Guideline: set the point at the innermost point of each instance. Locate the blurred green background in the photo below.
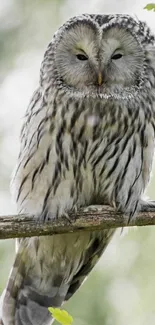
(121, 289)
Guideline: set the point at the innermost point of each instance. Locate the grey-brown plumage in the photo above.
(87, 138)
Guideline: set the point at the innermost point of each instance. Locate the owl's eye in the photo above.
(81, 57)
(117, 56)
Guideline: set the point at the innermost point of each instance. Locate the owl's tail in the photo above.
(48, 271)
(31, 307)
(28, 294)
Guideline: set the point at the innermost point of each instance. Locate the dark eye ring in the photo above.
(117, 56)
(81, 57)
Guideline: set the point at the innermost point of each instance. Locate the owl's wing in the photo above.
(33, 109)
(91, 258)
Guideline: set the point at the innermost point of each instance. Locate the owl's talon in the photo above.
(66, 216)
(147, 206)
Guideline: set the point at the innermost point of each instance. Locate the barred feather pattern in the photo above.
(75, 151)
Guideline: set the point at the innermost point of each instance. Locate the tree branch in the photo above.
(90, 218)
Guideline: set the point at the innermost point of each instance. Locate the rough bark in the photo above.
(90, 218)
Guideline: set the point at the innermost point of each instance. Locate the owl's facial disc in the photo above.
(100, 62)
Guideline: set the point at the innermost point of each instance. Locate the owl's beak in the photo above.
(100, 79)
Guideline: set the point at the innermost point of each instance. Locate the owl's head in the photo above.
(99, 55)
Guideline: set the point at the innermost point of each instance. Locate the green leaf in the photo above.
(61, 316)
(150, 6)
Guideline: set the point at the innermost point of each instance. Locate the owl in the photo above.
(88, 138)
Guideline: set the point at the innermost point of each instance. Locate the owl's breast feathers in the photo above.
(78, 152)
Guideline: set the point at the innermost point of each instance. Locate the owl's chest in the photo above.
(83, 155)
(106, 152)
